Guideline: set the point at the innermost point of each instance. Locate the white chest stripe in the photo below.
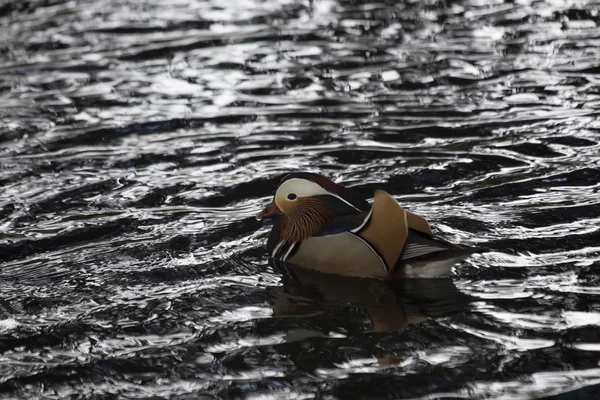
(281, 247)
(276, 249)
(287, 254)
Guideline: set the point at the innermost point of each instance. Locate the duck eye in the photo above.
(291, 196)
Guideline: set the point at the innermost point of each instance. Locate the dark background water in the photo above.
(138, 139)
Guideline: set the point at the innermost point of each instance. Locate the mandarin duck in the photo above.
(330, 228)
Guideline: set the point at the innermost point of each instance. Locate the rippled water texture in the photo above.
(138, 139)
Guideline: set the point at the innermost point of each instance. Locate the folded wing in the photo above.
(392, 232)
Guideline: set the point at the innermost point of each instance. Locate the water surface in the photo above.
(138, 140)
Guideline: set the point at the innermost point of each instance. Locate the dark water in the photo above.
(138, 139)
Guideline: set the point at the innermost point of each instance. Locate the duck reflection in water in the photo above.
(390, 304)
(339, 253)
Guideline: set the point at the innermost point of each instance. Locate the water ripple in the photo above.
(137, 141)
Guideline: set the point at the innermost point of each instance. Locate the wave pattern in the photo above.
(138, 140)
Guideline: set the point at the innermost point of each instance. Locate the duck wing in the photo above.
(347, 223)
(419, 245)
(395, 234)
(387, 227)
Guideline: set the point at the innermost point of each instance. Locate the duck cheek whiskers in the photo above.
(307, 218)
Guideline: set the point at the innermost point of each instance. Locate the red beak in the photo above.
(269, 211)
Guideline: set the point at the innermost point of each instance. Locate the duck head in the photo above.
(305, 202)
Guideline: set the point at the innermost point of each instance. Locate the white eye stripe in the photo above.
(304, 188)
(301, 188)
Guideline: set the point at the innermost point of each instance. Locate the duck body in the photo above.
(323, 226)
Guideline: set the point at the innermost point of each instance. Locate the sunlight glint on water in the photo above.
(138, 141)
